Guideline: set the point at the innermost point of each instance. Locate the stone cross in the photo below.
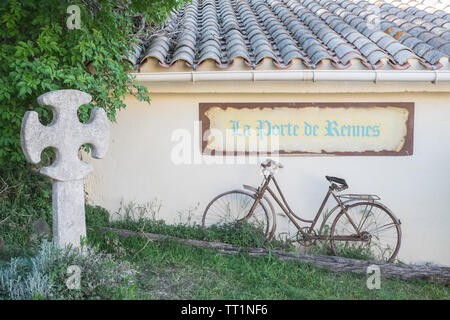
(65, 134)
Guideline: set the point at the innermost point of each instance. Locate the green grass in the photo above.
(142, 219)
(168, 270)
(242, 234)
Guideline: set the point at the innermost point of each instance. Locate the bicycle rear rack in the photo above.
(367, 197)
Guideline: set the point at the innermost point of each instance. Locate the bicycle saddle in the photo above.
(340, 181)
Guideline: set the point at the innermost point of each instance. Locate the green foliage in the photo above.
(355, 252)
(45, 275)
(38, 53)
(243, 234)
(96, 216)
(25, 196)
(142, 218)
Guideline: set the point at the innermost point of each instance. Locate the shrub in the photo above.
(45, 275)
(96, 216)
(25, 196)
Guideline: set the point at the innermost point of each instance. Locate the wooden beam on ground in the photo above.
(338, 264)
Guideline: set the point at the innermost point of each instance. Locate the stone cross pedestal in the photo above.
(65, 134)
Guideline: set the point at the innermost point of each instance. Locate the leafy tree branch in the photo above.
(39, 53)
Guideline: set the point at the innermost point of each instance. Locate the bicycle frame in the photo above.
(293, 217)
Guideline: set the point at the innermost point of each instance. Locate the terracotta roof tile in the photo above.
(371, 31)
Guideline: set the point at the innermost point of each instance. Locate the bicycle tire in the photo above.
(233, 207)
(382, 229)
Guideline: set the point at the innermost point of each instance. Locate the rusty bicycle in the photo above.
(361, 222)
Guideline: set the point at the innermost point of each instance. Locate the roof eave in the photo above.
(433, 76)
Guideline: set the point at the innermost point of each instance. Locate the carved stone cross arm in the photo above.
(65, 134)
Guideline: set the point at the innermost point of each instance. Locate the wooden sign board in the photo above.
(351, 129)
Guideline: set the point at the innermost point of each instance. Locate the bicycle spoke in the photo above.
(382, 229)
(364, 219)
(233, 207)
(374, 223)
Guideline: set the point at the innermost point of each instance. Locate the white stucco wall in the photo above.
(138, 165)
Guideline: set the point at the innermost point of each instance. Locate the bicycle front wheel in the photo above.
(232, 209)
(377, 226)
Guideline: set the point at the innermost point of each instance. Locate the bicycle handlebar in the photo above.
(269, 163)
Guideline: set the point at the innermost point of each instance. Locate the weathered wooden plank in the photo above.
(333, 263)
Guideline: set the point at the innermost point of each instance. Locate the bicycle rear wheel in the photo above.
(232, 208)
(377, 225)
